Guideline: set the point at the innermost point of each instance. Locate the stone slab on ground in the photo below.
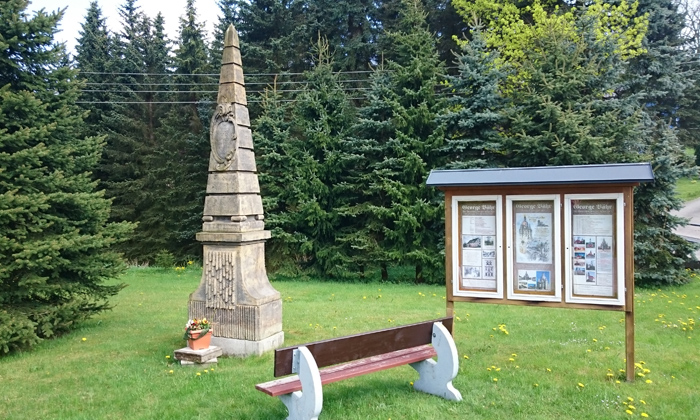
(186, 354)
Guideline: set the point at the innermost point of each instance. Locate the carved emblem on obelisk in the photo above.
(223, 136)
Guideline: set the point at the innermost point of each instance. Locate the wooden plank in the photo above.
(351, 369)
(360, 346)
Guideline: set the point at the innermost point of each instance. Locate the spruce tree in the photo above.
(94, 48)
(473, 116)
(406, 146)
(321, 118)
(56, 242)
(177, 170)
(568, 111)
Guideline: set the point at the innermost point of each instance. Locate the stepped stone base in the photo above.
(244, 348)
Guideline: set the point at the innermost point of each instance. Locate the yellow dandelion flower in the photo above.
(495, 379)
(514, 355)
(648, 381)
(466, 357)
(629, 412)
(511, 360)
(644, 415)
(549, 370)
(642, 401)
(595, 340)
(411, 383)
(631, 407)
(536, 385)
(580, 385)
(199, 374)
(84, 339)
(617, 382)
(170, 371)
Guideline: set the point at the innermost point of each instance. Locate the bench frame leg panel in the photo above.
(307, 403)
(436, 377)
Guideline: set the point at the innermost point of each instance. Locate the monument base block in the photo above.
(244, 348)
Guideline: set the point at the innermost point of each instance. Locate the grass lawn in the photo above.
(551, 364)
(688, 189)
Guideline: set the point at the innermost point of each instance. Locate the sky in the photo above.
(76, 10)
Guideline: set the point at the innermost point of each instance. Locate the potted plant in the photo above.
(198, 333)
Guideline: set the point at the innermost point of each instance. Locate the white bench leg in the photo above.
(436, 377)
(307, 403)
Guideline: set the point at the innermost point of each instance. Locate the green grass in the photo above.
(688, 189)
(121, 371)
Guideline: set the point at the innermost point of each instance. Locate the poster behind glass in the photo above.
(478, 244)
(593, 245)
(533, 247)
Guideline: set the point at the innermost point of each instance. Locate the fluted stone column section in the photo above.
(235, 292)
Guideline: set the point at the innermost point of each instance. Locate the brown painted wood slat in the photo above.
(360, 346)
(351, 369)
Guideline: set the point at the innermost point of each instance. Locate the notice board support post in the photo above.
(629, 285)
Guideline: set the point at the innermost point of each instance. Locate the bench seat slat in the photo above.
(351, 369)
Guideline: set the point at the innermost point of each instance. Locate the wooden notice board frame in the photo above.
(562, 237)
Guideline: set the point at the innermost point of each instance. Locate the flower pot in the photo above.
(199, 341)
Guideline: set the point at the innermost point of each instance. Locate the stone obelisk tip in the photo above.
(231, 37)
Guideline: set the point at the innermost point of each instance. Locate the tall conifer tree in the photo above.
(405, 141)
(177, 174)
(56, 241)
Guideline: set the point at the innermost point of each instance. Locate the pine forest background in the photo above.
(352, 102)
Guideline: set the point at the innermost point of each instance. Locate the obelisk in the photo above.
(235, 293)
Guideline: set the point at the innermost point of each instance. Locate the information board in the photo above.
(532, 223)
(478, 249)
(594, 269)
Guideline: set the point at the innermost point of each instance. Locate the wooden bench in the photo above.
(359, 354)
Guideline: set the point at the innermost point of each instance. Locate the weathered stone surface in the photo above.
(232, 182)
(245, 138)
(244, 160)
(232, 205)
(198, 356)
(244, 348)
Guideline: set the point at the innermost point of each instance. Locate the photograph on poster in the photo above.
(592, 225)
(534, 280)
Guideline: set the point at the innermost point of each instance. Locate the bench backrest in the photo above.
(358, 346)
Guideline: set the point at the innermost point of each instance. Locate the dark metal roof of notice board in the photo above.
(616, 173)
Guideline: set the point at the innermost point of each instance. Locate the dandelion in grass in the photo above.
(648, 381)
(536, 385)
(495, 379)
(411, 383)
(84, 339)
(167, 357)
(199, 373)
(466, 357)
(170, 371)
(629, 412)
(549, 370)
(580, 385)
(644, 415)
